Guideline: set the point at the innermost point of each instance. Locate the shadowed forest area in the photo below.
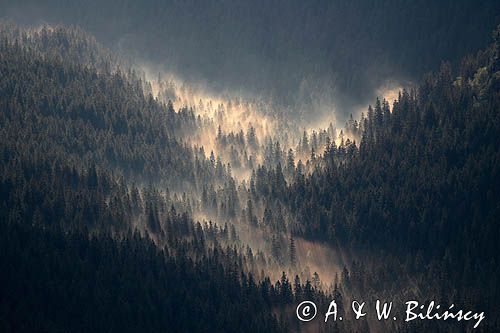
(133, 198)
(307, 57)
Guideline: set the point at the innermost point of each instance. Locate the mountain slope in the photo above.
(292, 51)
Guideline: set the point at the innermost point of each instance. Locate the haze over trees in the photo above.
(135, 204)
(310, 56)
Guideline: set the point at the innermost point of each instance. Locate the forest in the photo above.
(305, 56)
(130, 201)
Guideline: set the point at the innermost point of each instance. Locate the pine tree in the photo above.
(293, 252)
(290, 165)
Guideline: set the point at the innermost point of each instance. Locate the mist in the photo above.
(311, 60)
(251, 154)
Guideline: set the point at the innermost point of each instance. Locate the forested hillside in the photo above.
(307, 55)
(420, 195)
(85, 249)
(64, 97)
(131, 204)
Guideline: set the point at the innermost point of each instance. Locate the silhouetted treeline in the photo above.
(420, 196)
(84, 249)
(71, 261)
(306, 54)
(412, 192)
(54, 281)
(66, 100)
